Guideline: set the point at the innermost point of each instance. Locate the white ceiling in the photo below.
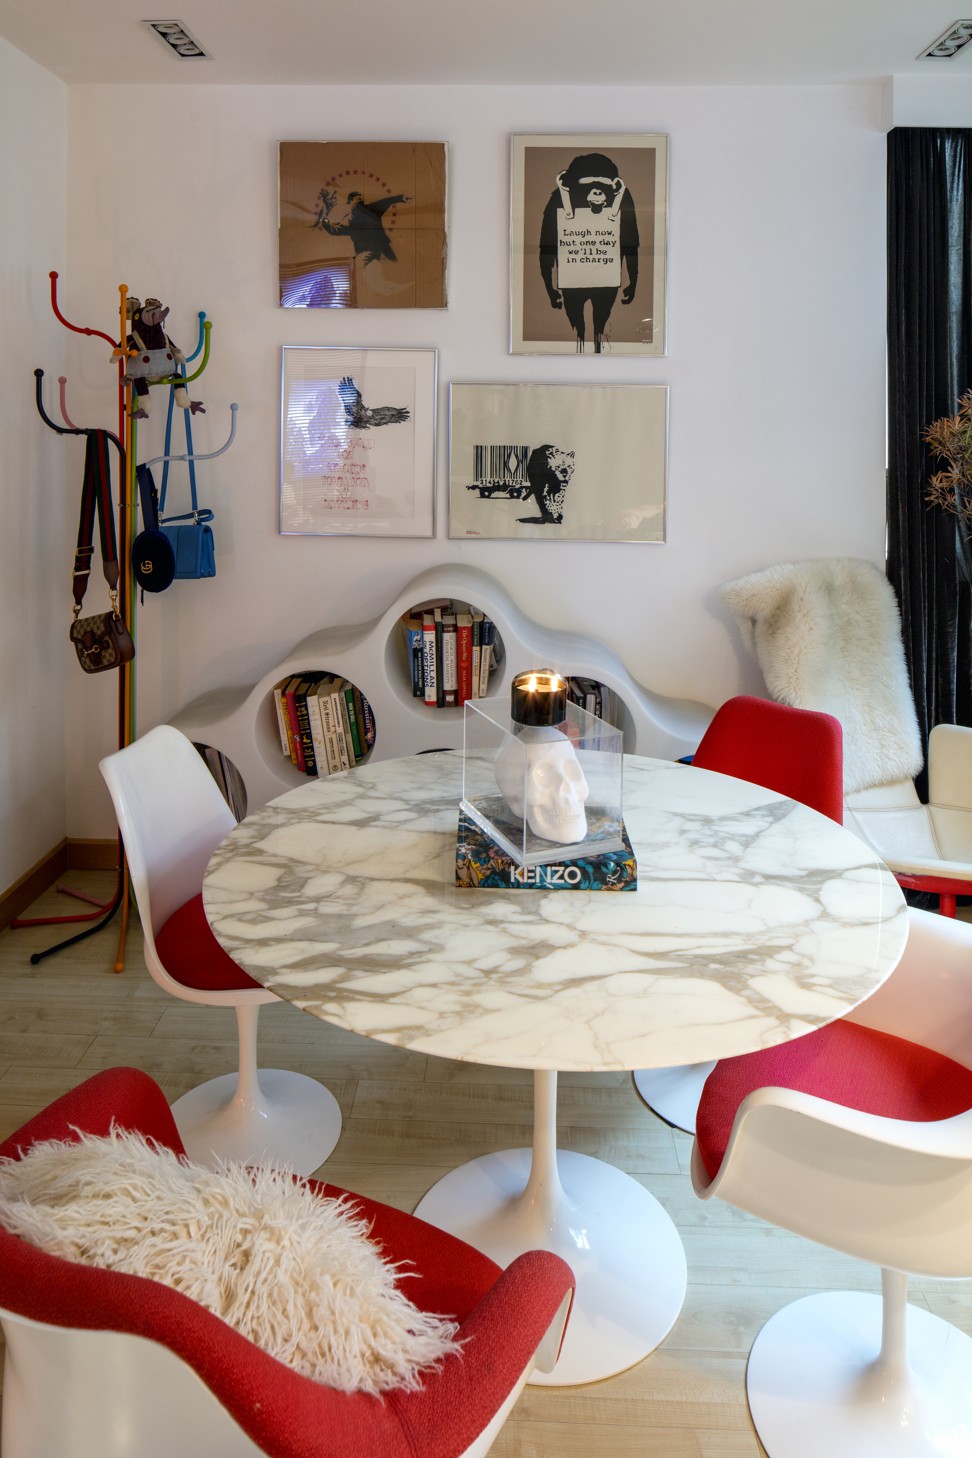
(491, 42)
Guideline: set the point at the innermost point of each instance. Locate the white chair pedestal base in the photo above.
(816, 1388)
(620, 1243)
(673, 1093)
(291, 1120)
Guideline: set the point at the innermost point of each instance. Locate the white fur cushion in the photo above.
(827, 635)
(294, 1273)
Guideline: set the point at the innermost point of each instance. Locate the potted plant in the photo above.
(951, 440)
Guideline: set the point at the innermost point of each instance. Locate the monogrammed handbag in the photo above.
(102, 641)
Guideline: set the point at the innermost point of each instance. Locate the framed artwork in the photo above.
(357, 442)
(362, 225)
(589, 223)
(556, 463)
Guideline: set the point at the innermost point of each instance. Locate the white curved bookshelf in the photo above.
(242, 723)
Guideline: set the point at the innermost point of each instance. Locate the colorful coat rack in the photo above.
(125, 442)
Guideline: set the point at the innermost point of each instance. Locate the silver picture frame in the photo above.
(538, 462)
(357, 441)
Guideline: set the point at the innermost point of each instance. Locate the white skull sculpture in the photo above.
(554, 783)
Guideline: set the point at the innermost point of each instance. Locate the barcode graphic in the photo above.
(500, 463)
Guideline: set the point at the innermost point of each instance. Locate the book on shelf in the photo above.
(429, 661)
(305, 689)
(412, 628)
(463, 657)
(452, 657)
(334, 708)
(313, 704)
(477, 648)
(290, 701)
(368, 719)
(356, 741)
(486, 636)
(439, 678)
(325, 701)
(283, 721)
(450, 661)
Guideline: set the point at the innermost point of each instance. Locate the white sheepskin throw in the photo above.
(827, 635)
(294, 1273)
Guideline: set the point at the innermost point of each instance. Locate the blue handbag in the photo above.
(188, 532)
(192, 544)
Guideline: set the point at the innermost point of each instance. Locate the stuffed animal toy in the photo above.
(155, 357)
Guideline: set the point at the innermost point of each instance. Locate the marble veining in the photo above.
(755, 920)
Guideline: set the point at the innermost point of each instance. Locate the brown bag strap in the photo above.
(95, 497)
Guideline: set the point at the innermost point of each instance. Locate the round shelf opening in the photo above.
(442, 652)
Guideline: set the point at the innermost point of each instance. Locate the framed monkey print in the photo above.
(589, 224)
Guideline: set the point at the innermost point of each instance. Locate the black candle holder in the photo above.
(538, 698)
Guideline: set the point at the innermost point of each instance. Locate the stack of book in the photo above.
(326, 723)
(451, 652)
(227, 777)
(597, 698)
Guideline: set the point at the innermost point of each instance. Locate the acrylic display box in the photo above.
(544, 795)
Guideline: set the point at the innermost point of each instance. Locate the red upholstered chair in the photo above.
(105, 1365)
(172, 817)
(797, 753)
(859, 1136)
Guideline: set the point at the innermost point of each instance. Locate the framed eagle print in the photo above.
(357, 442)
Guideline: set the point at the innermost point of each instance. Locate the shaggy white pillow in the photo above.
(293, 1272)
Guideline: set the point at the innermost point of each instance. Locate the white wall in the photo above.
(39, 518)
(929, 101)
(776, 359)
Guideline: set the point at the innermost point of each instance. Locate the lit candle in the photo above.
(538, 698)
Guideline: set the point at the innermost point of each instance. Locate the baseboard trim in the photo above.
(69, 855)
(92, 855)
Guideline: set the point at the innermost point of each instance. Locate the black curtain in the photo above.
(929, 367)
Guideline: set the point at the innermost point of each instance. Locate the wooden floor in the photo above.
(408, 1119)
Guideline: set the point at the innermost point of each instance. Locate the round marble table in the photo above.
(755, 920)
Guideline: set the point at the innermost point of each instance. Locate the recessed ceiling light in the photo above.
(957, 36)
(175, 35)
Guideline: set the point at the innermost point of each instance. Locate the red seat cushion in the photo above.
(844, 1063)
(191, 954)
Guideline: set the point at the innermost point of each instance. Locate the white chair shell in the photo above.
(848, 1374)
(172, 817)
